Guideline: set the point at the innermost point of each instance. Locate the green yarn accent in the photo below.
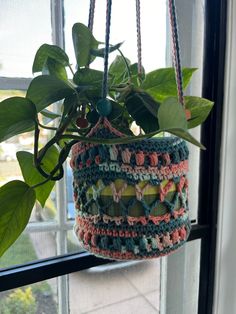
(132, 206)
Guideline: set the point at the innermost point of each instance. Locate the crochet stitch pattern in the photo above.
(131, 199)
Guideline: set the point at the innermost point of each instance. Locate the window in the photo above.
(156, 286)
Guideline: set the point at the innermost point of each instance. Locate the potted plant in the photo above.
(130, 190)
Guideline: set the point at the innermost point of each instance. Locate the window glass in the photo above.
(191, 36)
(40, 298)
(25, 25)
(123, 28)
(73, 243)
(124, 287)
(28, 247)
(182, 280)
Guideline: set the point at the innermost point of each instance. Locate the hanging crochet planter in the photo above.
(131, 199)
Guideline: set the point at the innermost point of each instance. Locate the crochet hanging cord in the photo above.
(132, 199)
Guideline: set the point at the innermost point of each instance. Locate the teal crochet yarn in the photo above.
(131, 199)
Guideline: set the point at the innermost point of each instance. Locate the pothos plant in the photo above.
(149, 99)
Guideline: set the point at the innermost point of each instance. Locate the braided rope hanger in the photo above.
(175, 46)
(176, 50)
(91, 14)
(139, 42)
(106, 51)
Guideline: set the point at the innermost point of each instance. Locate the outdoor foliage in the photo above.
(149, 99)
(19, 301)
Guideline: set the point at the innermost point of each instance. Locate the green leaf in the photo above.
(118, 69)
(88, 77)
(143, 110)
(83, 41)
(49, 51)
(161, 83)
(45, 90)
(199, 108)
(56, 69)
(172, 115)
(33, 177)
(68, 103)
(16, 203)
(17, 115)
(100, 52)
(135, 78)
(91, 81)
(184, 134)
(116, 111)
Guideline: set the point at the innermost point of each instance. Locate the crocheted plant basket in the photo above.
(131, 199)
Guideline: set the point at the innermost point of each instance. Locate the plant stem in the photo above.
(55, 129)
(47, 127)
(73, 73)
(119, 140)
(41, 183)
(126, 63)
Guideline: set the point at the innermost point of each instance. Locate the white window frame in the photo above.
(61, 226)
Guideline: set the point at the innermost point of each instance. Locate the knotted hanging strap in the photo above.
(106, 51)
(139, 42)
(91, 14)
(176, 50)
(175, 46)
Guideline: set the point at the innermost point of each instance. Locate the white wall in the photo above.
(225, 285)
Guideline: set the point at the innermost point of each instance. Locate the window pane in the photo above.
(37, 298)
(28, 247)
(25, 25)
(71, 212)
(124, 287)
(182, 284)
(153, 19)
(73, 243)
(191, 35)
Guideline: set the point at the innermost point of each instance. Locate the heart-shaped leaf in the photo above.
(143, 109)
(45, 90)
(172, 115)
(199, 109)
(118, 69)
(161, 83)
(88, 77)
(33, 177)
(91, 80)
(84, 42)
(17, 115)
(16, 203)
(116, 111)
(49, 51)
(56, 69)
(68, 103)
(135, 76)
